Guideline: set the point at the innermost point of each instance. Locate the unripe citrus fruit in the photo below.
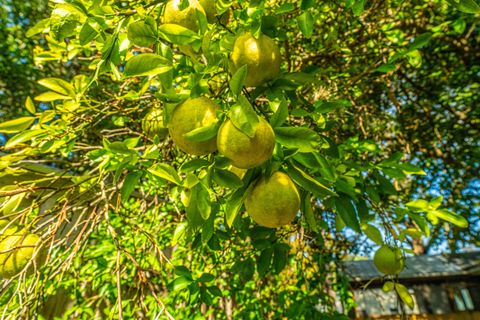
(273, 201)
(190, 115)
(16, 251)
(152, 124)
(261, 56)
(245, 152)
(186, 18)
(389, 260)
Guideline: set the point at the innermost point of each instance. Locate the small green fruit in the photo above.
(16, 251)
(273, 201)
(261, 56)
(193, 114)
(389, 260)
(152, 124)
(245, 152)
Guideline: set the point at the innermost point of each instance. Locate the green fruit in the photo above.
(273, 202)
(210, 9)
(261, 56)
(186, 18)
(245, 152)
(190, 115)
(16, 251)
(389, 260)
(152, 124)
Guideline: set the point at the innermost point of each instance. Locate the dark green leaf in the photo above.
(308, 183)
(346, 210)
(301, 138)
(203, 133)
(227, 179)
(130, 183)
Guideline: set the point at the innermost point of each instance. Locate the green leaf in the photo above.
(51, 96)
(388, 286)
(181, 283)
(29, 105)
(206, 277)
(177, 34)
(373, 233)
(308, 212)
(40, 26)
(227, 179)
(244, 117)
(264, 261)
(238, 80)
(203, 133)
(305, 23)
(166, 172)
(469, 6)
(16, 125)
(280, 256)
(193, 165)
(408, 168)
(58, 85)
(22, 137)
(301, 138)
(358, 7)
(418, 205)
(346, 210)
(142, 33)
(87, 34)
(420, 41)
(146, 64)
(281, 113)
(129, 184)
(450, 216)
(308, 183)
(404, 295)
(328, 106)
(233, 205)
(199, 205)
(386, 68)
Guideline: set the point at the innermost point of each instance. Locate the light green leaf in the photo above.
(146, 64)
(238, 80)
(373, 233)
(404, 295)
(449, 216)
(16, 125)
(58, 85)
(29, 105)
(177, 34)
(301, 138)
(244, 117)
(166, 172)
(305, 23)
(142, 33)
(51, 96)
(308, 183)
(22, 137)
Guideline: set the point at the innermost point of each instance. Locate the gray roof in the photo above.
(419, 267)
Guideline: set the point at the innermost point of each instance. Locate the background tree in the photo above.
(374, 117)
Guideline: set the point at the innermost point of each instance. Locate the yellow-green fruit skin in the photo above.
(261, 56)
(190, 115)
(389, 260)
(273, 202)
(210, 9)
(152, 124)
(186, 18)
(16, 251)
(245, 152)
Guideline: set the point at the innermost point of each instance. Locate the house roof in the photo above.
(420, 267)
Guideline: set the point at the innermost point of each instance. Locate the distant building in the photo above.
(443, 288)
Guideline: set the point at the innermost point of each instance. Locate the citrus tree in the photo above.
(202, 159)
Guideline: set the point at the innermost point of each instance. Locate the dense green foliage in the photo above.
(375, 119)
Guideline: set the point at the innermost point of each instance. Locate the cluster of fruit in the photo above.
(17, 249)
(273, 201)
